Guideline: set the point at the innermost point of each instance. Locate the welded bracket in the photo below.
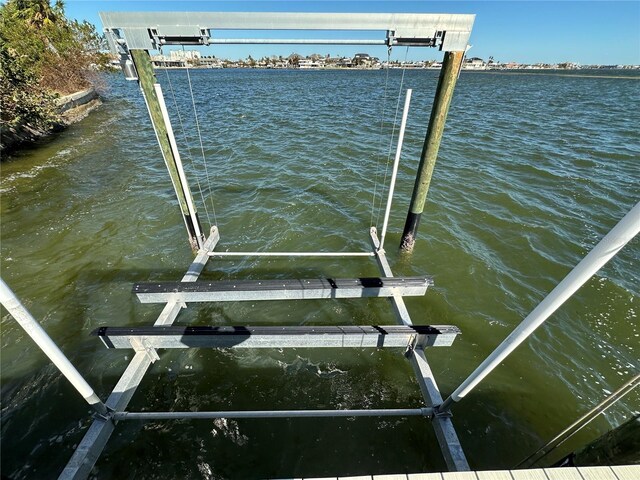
(118, 45)
(105, 417)
(437, 413)
(139, 346)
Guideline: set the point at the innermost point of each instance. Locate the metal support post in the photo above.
(152, 94)
(448, 76)
(13, 305)
(442, 425)
(396, 163)
(606, 249)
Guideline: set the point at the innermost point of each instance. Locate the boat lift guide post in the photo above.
(624, 231)
(131, 36)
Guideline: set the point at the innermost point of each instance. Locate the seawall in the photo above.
(72, 108)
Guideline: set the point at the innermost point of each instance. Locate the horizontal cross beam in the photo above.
(381, 412)
(415, 336)
(152, 30)
(299, 289)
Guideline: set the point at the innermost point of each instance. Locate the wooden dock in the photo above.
(624, 472)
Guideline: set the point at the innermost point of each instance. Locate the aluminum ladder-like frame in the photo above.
(148, 31)
(102, 427)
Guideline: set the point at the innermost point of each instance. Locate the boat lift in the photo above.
(131, 36)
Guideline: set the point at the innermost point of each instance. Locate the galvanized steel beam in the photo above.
(387, 336)
(373, 412)
(442, 425)
(299, 289)
(151, 30)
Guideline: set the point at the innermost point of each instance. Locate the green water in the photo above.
(532, 172)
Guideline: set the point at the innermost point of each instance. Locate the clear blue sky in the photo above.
(587, 32)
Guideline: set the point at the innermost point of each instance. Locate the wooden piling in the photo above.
(446, 84)
(147, 80)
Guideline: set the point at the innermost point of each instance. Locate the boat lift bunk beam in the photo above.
(351, 336)
(284, 289)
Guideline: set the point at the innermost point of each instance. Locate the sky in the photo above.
(586, 32)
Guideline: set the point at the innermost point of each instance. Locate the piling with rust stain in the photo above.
(147, 79)
(446, 84)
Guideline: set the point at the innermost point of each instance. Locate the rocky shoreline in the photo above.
(72, 109)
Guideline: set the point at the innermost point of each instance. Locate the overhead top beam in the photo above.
(152, 30)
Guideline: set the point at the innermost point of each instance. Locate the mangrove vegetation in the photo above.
(43, 55)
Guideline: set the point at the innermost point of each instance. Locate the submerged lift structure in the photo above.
(132, 35)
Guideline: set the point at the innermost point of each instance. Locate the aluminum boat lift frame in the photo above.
(131, 36)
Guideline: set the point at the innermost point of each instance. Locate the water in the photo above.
(533, 170)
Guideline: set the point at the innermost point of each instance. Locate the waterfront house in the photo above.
(474, 63)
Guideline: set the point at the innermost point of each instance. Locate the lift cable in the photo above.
(393, 132)
(379, 147)
(186, 142)
(204, 160)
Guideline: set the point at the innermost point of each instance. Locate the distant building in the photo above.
(210, 62)
(345, 63)
(307, 63)
(364, 60)
(474, 63)
(494, 64)
(162, 61)
(184, 54)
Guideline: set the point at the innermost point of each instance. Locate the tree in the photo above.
(43, 55)
(37, 13)
(294, 60)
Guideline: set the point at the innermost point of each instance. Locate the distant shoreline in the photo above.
(555, 73)
(514, 71)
